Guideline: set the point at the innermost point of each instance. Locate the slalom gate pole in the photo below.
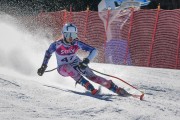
(116, 78)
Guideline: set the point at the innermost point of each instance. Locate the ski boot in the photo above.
(94, 92)
(123, 92)
(118, 90)
(88, 85)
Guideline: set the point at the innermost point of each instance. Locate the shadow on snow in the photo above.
(105, 97)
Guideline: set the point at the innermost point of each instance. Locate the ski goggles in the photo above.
(69, 35)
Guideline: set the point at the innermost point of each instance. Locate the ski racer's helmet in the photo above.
(69, 31)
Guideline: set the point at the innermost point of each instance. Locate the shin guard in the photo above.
(114, 88)
(86, 84)
(118, 90)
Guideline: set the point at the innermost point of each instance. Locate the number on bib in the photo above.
(67, 59)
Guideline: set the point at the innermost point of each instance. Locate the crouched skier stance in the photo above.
(69, 64)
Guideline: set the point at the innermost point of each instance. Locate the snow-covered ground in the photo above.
(26, 96)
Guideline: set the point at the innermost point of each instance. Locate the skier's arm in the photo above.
(47, 56)
(92, 54)
(48, 53)
(92, 51)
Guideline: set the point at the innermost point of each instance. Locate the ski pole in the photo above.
(138, 96)
(118, 79)
(141, 96)
(50, 70)
(105, 75)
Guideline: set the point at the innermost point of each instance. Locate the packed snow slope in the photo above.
(26, 96)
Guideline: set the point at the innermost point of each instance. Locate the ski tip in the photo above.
(142, 97)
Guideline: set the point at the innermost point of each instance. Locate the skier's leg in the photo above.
(120, 91)
(106, 83)
(87, 85)
(67, 70)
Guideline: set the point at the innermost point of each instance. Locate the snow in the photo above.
(26, 96)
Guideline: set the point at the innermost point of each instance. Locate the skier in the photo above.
(69, 64)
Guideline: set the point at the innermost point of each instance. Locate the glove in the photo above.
(84, 63)
(41, 70)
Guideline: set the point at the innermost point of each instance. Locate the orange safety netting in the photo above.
(148, 38)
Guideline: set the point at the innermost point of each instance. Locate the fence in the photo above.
(149, 38)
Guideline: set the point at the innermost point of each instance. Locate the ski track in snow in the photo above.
(26, 96)
(28, 99)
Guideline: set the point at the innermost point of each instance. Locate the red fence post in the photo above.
(129, 35)
(70, 17)
(40, 16)
(153, 36)
(107, 20)
(177, 51)
(105, 35)
(86, 23)
(65, 17)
